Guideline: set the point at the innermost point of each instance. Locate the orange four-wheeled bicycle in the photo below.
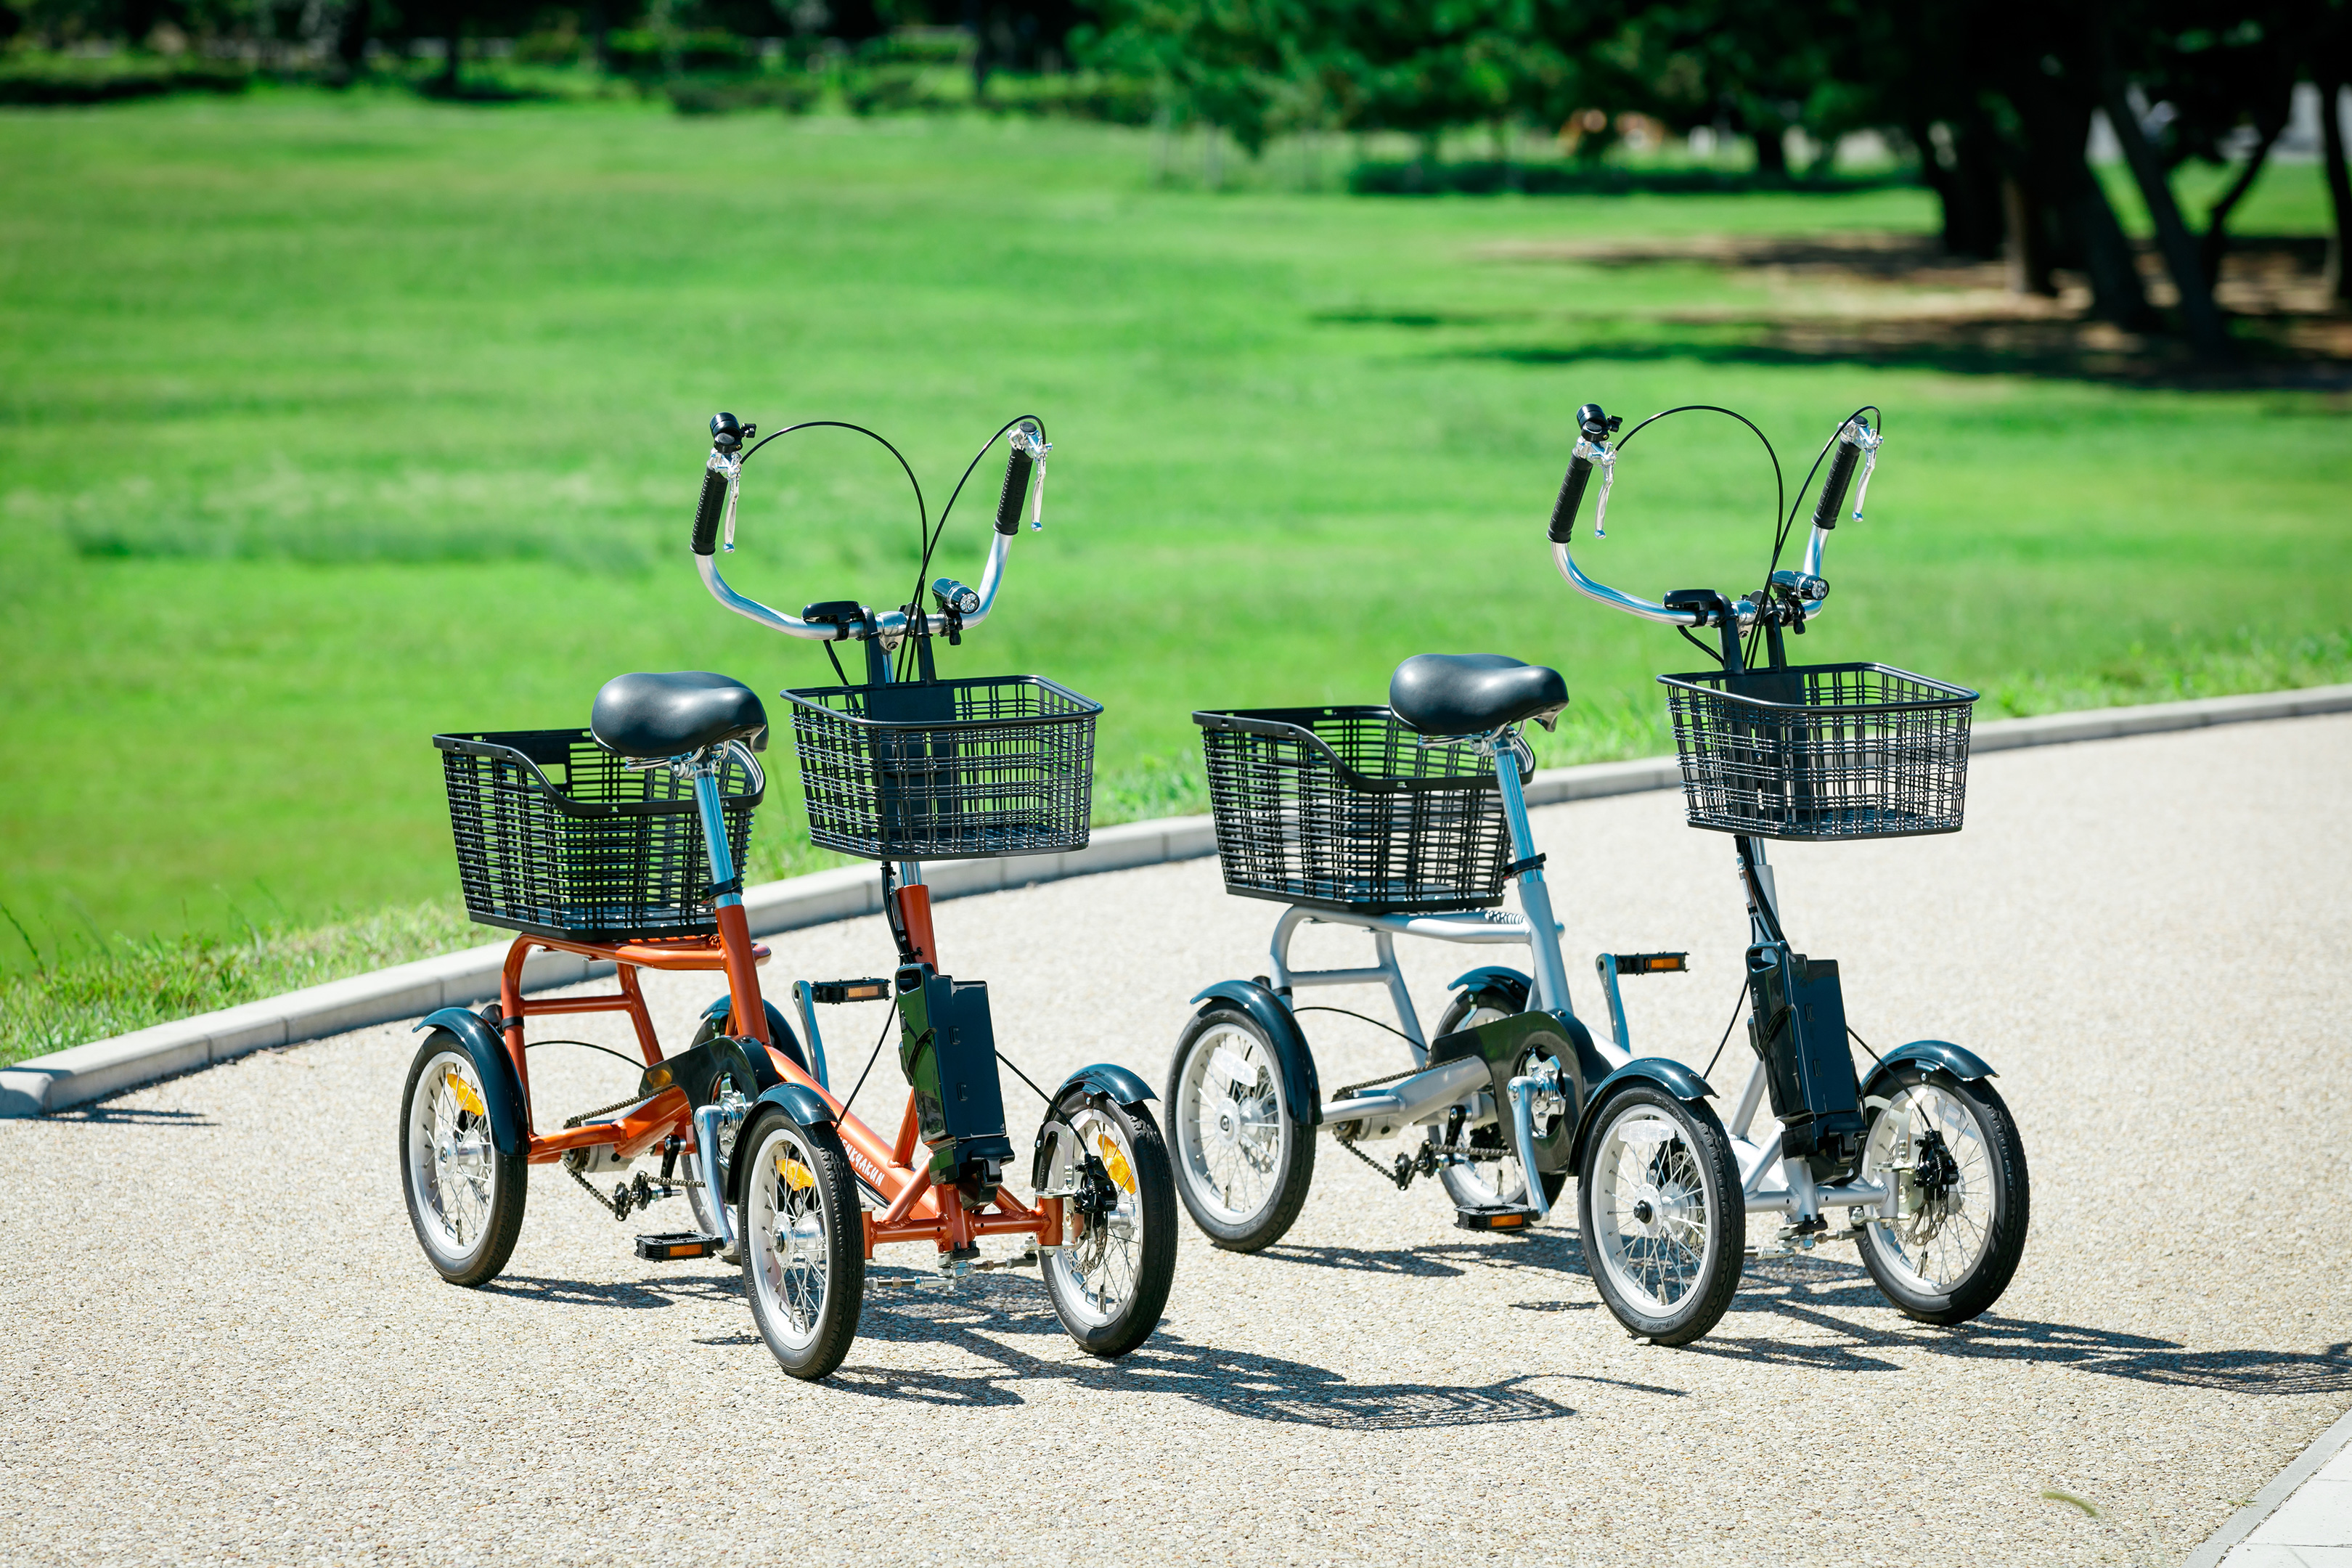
(622, 842)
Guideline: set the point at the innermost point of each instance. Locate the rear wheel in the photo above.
(1243, 1157)
(1498, 1182)
(804, 1243)
(464, 1197)
(1109, 1278)
(1956, 1152)
(1664, 1224)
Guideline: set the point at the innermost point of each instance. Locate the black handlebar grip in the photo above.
(1016, 488)
(707, 514)
(1842, 462)
(1571, 495)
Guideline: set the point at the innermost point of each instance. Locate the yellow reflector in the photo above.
(464, 1093)
(795, 1175)
(1116, 1163)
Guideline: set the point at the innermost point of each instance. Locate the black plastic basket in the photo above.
(1340, 808)
(947, 769)
(556, 838)
(1823, 751)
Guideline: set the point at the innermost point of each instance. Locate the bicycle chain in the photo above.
(618, 1209)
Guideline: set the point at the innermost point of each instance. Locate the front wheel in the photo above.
(464, 1197)
(1244, 1157)
(1954, 1152)
(804, 1243)
(1665, 1226)
(1111, 1275)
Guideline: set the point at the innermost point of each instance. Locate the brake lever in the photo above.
(1871, 441)
(1036, 446)
(1598, 453)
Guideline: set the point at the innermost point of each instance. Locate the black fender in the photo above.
(1682, 1082)
(722, 1012)
(1301, 1091)
(1489, 974)
(502, 1094)
(1108, 1079)
(1958, 1060)
(802, 1104)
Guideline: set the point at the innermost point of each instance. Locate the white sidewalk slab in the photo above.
(2302, 1519)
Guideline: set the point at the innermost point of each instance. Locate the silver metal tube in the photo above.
(1607, 966)
(706, 1159)
(1416, 1097)
(1535, 898)
(1523, 1122)
(1749, 1098)
(1385, 945)
(805, 1003)
(1648, 609)
(1757, 1162)
(889, 625)
(1304, 977)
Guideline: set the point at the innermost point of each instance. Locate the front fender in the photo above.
(797, 1100)
(1104, 1078)
(1958, 1060)
(502, 1093)
(1672, 1076)
(1300, 1090)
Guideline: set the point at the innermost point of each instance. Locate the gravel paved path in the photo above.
(227, 1348)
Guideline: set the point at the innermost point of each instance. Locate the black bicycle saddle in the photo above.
(1468, 693)
(646, 716)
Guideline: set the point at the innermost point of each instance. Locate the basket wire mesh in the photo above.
(1341, 808)
(555, 836)
(1821, 752)
(947, 769)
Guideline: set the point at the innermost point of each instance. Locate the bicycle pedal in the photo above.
(1494, 1216)
(679, 1244)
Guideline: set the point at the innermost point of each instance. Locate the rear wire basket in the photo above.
(556, 838)
(1340, 808)
(1821, 752)
(947, 769)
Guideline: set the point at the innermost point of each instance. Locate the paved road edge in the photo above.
(2272, 1498)
(69, 1078)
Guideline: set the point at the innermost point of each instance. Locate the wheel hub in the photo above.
(800, 1241)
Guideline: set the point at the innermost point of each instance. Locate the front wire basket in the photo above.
(947, 769)
(556, 836)
(1341, 808)
(1821, 752)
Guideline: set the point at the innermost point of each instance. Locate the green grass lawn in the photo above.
(327, 423)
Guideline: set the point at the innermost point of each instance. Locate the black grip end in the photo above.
(1016, 490)
(708, 510)
(1841, 465)
(1571, 495)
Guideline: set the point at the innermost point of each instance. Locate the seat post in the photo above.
(727, 903)
(1535, 897)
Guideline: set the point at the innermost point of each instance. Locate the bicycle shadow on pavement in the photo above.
(639, 1295)
(1808, 1288)
(1542, 1251)
(1238, 1383)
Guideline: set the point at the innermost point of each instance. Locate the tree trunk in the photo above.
(2339, 187)
(2208, 334)
(597, 18)
(456, 33)
(2210, 249)
(2026, 246)
(1771, 151)
(1976, 175)
(352, 39)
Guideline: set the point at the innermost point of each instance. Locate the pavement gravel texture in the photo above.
(227, 1346)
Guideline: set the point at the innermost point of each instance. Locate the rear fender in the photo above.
(1107, 1080)
(1497, 974)
(1672, 1076)
(1301, 1091)
(722, 1012)
(501, 1094)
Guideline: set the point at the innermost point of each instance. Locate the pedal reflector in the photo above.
(1116, 1164)
(679, 1244)
(1496, 1219)
(463, 1092)
(1652, 962)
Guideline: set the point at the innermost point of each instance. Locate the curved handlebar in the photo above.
(722, 478)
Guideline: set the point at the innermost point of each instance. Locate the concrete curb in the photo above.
(75, 1076)
(2268, 1500)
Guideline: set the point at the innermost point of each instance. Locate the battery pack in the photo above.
(1797, 1024)
(947, 1045)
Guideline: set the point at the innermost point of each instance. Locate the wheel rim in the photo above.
(1932, 1247)
(452, 1161)
(791, 1263)
(1649, 1210)
(1231, 1133)
(1101, 1259)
